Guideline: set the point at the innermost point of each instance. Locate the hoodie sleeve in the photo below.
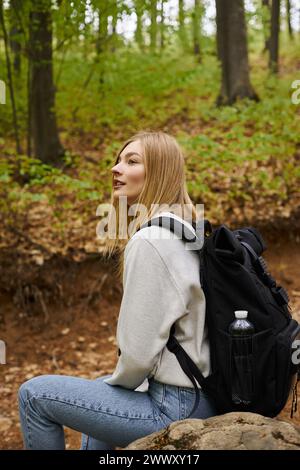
(151, 303)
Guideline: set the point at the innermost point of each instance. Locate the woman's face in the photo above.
(129, 170)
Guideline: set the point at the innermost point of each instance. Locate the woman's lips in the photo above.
(118, 185)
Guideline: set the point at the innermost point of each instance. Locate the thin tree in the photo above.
(114, 14)
(10, 79)
(162, 25)
(274, 38)
(101, 46)
(15, 33)
(266, 21)
(139, 10)
(197, 29)
(153, 26)
(288, 18)
(233, 52)
(181, 23)
(44, 133)
(102, 11)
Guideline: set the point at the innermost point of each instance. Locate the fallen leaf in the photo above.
(65, 331)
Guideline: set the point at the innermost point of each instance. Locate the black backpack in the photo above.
(234, 276)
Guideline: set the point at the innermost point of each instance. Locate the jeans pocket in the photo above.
(156, 390)
(172, 403)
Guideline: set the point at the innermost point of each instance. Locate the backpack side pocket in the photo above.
(264, 376)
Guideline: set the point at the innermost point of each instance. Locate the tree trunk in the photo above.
(274, 38)
(138, 7)
(162, 25)
(197, 29)
(114, 25)
(153, 26)
(288, 18)
(102, 28)
(10, 79)
(233, 52)
(15, 32)
(266, 21)
(46, 143)
(181, 22)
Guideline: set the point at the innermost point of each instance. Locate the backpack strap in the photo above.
(180, 229)
(174, 225)
(278, 292)
(187, 364)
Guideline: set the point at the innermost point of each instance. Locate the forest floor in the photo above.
(74, 333)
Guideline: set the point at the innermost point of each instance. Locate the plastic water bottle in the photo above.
(241, 331)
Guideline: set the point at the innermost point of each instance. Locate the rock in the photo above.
(231, 431)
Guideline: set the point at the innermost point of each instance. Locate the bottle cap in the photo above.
(241, 313)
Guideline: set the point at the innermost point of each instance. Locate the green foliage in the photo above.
(234, 153)
(37, 182)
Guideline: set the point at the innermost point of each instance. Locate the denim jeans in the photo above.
(106, 415)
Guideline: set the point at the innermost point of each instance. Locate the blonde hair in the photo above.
(164, 184)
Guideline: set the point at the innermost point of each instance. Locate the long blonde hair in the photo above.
(164, 184)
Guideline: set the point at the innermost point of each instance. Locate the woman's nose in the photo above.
(116, 168)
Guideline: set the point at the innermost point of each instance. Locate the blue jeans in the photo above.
(106, 415)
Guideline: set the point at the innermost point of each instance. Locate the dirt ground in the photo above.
(76, 335)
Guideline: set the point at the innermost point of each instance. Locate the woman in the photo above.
(148, 389)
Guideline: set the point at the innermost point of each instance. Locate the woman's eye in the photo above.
(129, 161)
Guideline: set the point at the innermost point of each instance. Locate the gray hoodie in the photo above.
(161, 285)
